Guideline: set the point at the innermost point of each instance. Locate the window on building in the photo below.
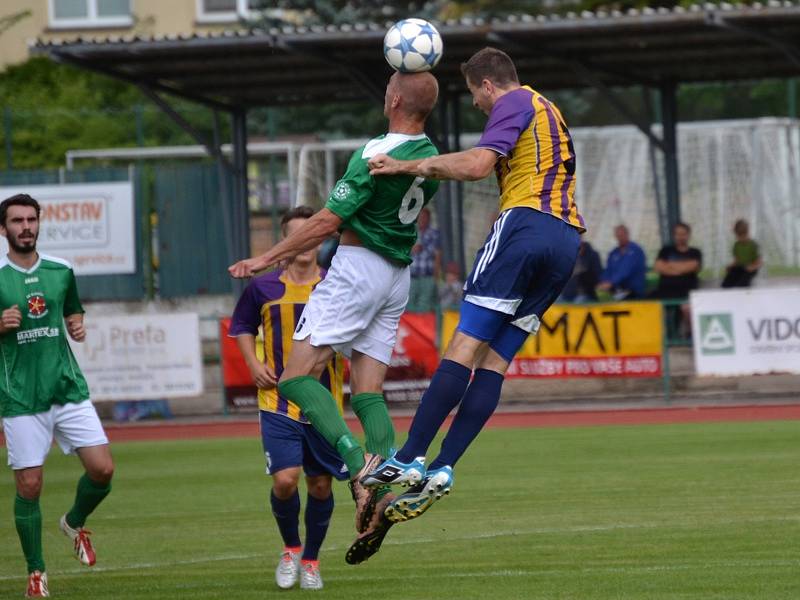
(225, 11)
(74, 14)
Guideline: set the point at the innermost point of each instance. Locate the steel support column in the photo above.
(240, 208)
(661, 209)
(444, 197)
(458, 196)
(669, 119)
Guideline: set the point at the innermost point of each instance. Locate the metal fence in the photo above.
(178, 229)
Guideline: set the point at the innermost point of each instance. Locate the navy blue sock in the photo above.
(445, 391)
(318, 517)
(287, 515)
(478, 404)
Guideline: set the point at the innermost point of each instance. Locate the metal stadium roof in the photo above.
(241, 69)
(660, 48)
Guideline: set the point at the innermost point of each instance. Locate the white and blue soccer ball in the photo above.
(412, 46)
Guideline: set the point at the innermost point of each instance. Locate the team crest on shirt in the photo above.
(37, 307)
(342, 190)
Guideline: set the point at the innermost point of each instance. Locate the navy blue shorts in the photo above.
(520, 271)
(288, 443)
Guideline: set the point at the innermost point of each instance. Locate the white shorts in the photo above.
(358, 305)
(29, 437)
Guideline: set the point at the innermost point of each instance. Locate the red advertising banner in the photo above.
(240, 390)
(587, 366)
(596, 340)
(414, 360)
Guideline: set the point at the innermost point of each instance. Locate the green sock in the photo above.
(319, 407)
(28, 518)
(89, 495)
(370, 408)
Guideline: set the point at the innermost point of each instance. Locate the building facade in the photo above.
(22, 21)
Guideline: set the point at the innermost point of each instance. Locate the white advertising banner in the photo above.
(747, 331)
(142, 357)
(89, 224)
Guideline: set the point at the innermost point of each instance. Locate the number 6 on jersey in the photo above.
(412, 202)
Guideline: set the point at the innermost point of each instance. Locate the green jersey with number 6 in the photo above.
(37, 368)
(383, 210)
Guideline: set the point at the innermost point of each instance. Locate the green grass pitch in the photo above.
(650, 512)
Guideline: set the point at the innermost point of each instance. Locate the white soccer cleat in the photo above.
(310, 579)
(419, 498)
(81, 543)
(37, 585)
(288, 569)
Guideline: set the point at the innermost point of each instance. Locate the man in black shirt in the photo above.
(678, 265)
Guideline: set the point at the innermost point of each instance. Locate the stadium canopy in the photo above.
(656, 48)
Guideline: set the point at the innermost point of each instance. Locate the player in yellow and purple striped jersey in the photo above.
(520, 271)
(274, 303)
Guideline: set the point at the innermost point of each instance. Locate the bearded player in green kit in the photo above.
(356, 309)
(43, 394)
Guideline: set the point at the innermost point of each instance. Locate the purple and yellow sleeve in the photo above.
(511, 115)
(247, 315)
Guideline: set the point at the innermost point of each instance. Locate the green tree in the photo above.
(54, 108)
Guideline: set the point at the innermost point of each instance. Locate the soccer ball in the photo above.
(412, 46)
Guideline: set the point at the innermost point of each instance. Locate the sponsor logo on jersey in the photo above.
(32, 280)
(37, 307)
(28, 336)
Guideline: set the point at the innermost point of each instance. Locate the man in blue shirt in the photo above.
(625, 268)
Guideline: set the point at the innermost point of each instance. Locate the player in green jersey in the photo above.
(43, 394)
(356, 309)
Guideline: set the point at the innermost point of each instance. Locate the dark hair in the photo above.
(682, 224)
(18, 200)
(492, 64)
(298, 212)
(741, 227)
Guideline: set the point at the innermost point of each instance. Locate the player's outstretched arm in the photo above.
(469, 165)
(311, 234)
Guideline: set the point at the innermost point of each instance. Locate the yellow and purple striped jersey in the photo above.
(536, 163)
(273, 304)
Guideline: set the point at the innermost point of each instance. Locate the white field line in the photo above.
(482, 536)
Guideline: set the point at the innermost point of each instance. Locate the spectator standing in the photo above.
(746, 258)
(624, 275)
(426, 265)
